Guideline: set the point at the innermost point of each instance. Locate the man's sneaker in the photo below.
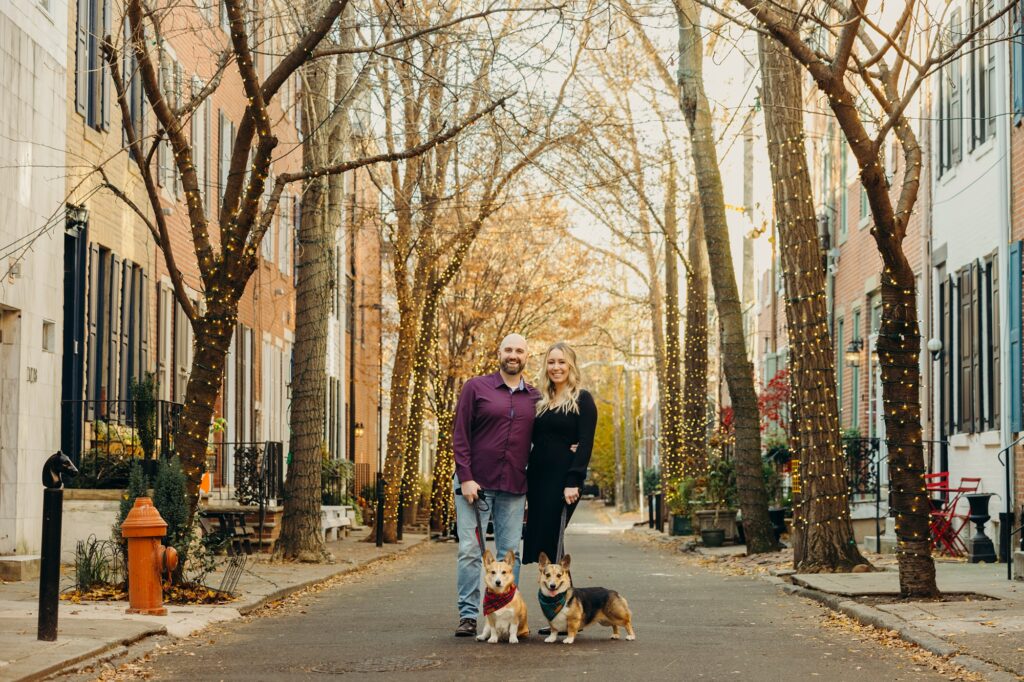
(467, 628)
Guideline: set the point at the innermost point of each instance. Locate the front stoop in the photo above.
(19, 567)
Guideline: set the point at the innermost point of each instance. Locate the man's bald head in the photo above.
(512, 354)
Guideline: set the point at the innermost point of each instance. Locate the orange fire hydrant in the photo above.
(148, 559)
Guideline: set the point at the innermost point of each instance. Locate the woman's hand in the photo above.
(571, 495)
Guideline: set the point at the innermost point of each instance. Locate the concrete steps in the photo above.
(18, 567)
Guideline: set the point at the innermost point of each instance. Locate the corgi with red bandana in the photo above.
(504, 606)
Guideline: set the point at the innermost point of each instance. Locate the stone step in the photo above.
(19, 567)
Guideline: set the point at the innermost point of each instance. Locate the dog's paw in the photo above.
(568, 640)
(630, 637)
(512, 639)
(481, 637)
(493, 640)
(553, 637)
(615, 635)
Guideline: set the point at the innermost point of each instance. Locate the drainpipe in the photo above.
(1004, 309)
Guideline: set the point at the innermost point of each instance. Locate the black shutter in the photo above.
(945, 360)
(143, 322)
(966, 416)
(105, 81)
(113, 336)
(976, 345)
(82, 59)
(92, 376)
(125, 362)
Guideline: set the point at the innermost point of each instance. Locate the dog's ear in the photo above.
(510, 558)
(543, 560)
(564, 563)
(488, 557)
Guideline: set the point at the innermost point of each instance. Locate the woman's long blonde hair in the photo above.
(569, 401)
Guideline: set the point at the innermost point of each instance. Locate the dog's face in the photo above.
(554, 578)
(499, 575)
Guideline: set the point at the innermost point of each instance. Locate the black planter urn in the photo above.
(979, 547)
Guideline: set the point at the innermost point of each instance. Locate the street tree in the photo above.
(225, 248)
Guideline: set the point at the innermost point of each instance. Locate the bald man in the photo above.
(491, 439)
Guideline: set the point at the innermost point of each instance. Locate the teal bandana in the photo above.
(551, 606)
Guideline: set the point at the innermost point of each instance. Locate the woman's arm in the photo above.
(585, 439)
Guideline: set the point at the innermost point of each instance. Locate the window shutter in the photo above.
(1016, 358)
(976, 346)
(125, 364)
(995, 392)
(143, 322)
(82, 59)
(946, 360)
(113, 336)
(1017, 55)
(105, 82)
(965, 416)
(91, 374)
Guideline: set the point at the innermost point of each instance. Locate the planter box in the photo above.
(726, 521)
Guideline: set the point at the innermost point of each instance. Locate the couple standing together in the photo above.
(515, 446)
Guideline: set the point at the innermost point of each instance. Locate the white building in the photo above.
(35, 225)
(970, 237)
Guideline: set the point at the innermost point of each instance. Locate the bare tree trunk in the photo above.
(695, 354)
(442, 499)
(822, 517)
(672, 469)
(620, 486)
(630, 493)
(739, 371)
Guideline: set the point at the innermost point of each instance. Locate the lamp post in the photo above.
(852, 354)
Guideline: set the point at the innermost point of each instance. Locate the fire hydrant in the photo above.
(148, 559)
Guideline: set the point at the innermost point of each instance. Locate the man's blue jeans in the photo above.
(507, 510)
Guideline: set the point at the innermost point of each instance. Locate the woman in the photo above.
(563, 438)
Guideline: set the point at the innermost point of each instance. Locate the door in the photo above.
(72, 364)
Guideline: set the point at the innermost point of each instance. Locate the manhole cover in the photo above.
(389, 664)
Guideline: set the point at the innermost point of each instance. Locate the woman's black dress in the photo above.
(554, 467)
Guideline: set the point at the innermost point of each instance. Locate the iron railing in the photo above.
(111, 434)
(862, 471)
(259, 471)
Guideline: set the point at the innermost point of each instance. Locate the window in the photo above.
(49, 336)
(950, 102)
(133, 89)
(201, 144)
(182, 351)
(982, 60)
(92, 82)
(172, 77)
(865, 207)
(843, 172)
(840, 363)
(971, 320)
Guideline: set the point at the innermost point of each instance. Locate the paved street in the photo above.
(398, 621)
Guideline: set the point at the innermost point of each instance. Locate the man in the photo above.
(491, 439)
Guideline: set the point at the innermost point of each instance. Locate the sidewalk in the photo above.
(990, 630)
(91, 629)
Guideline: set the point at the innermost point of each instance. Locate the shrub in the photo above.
(170, 497)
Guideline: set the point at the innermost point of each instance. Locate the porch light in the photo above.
(358, 430)
(853, 353)
(935, 347)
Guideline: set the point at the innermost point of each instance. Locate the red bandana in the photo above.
(494, 601)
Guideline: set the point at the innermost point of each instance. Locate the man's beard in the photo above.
(512, 367)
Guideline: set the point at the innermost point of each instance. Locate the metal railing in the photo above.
(258, 470)
(862, 471)
(108, 435)
(331, 489)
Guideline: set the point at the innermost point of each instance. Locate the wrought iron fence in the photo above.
(259, 471)
(862, 466)
(109, 435)
(331, 489)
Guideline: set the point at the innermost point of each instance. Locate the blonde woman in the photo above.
(563, 438)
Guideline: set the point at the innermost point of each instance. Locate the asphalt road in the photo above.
(397, 623)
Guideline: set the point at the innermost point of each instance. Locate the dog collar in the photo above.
(551, 605)
(495, 602)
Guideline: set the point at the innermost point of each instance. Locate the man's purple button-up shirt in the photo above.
(492, 434)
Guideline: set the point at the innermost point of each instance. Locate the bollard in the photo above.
(379, 520)
(147, 558)
(54, 469)
(650, 510)
(659, 520)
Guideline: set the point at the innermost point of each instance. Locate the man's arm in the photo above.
(461, 432)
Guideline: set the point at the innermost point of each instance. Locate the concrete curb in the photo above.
(120, 648)
(868, 615)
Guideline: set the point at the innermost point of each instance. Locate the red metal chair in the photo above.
(946, 525)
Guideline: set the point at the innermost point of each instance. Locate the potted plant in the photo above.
(719, 512)
(681, 507)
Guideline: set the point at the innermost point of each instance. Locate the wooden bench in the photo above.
(334, 519)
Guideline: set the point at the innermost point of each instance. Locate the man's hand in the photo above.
(574, 446)
(571, 495)
(470, 491)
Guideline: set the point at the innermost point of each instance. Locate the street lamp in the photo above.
(358, 430)
(935, 347)
(853, 352)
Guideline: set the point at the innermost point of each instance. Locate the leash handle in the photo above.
(561, 534)
(479, 526)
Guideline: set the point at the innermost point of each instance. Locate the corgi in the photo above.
(570, 609)
(504, 606)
